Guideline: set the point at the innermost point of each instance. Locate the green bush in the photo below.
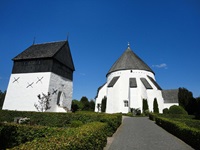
(60, 119)
(50, 122)
(13, 134)
(103, 104)
(177, 110)
(152, 116)
(155, 106)
(181, 130)
(76, 123)
(165, 111)
(145, 107)
(89, 136)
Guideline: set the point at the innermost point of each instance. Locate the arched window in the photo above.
(58, 98)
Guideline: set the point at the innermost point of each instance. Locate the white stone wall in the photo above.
(22, 94)
(121, 91)
(65, 87)
(24, 88)
(100, 95)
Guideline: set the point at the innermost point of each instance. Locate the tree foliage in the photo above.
(76, 105)
(145, 105)
(83, 104)
(43, 102)
(2, 97)
(155, 106)
(184, 96)
(92, 105)
(103, 104)
(188, 102)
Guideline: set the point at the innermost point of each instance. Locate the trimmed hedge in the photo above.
(89, 136)
(152, 116)
(44, 125)
(181, 130)
(13, 134)
(62, 119)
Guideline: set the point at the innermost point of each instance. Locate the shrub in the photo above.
(136, 111)
(155, 106)
(181, 130)
(89, 136)
(14, 134)
(103, 104)
(76, 123)
(165, 111)
(152, 116)
(177, 110)
(145, 107)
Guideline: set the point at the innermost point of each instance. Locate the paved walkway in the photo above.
(140, 133)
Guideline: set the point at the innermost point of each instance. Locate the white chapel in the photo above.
(45, 68)
(129, 81)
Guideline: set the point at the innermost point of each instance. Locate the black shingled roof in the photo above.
(170, 96)
(129, 60)
(45, 50)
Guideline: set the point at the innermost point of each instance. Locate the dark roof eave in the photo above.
(18, 59)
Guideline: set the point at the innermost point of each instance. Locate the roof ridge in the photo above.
(43, 50)
(50, 42)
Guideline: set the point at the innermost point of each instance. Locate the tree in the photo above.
(92, 105)
(155, 106)
(145, 106)
(2, 97)
(103, 104)
(184, 96)
(192, 106)
(187, 101)
(85, 103)
(75, 105)
(43, 102)
(198, 107)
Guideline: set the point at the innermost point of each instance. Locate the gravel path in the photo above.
(140, 133)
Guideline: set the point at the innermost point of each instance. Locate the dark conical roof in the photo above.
(129, 61)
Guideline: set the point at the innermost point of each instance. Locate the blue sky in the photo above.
(164, 33)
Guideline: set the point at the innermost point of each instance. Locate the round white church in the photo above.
(129, 81)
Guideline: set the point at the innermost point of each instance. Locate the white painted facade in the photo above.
(24, 88)
(121, 92)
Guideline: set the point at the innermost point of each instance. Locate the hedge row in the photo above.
(14, 134)
(181, 130)
(62, 119)
(44, 125)
(89, 136)
(152, 116)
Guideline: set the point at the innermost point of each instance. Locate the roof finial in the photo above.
(34, 40)
(128, 45)
(67, 36)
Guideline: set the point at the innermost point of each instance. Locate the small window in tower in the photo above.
(125, 103)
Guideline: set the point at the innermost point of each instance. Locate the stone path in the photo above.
(140, 133)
